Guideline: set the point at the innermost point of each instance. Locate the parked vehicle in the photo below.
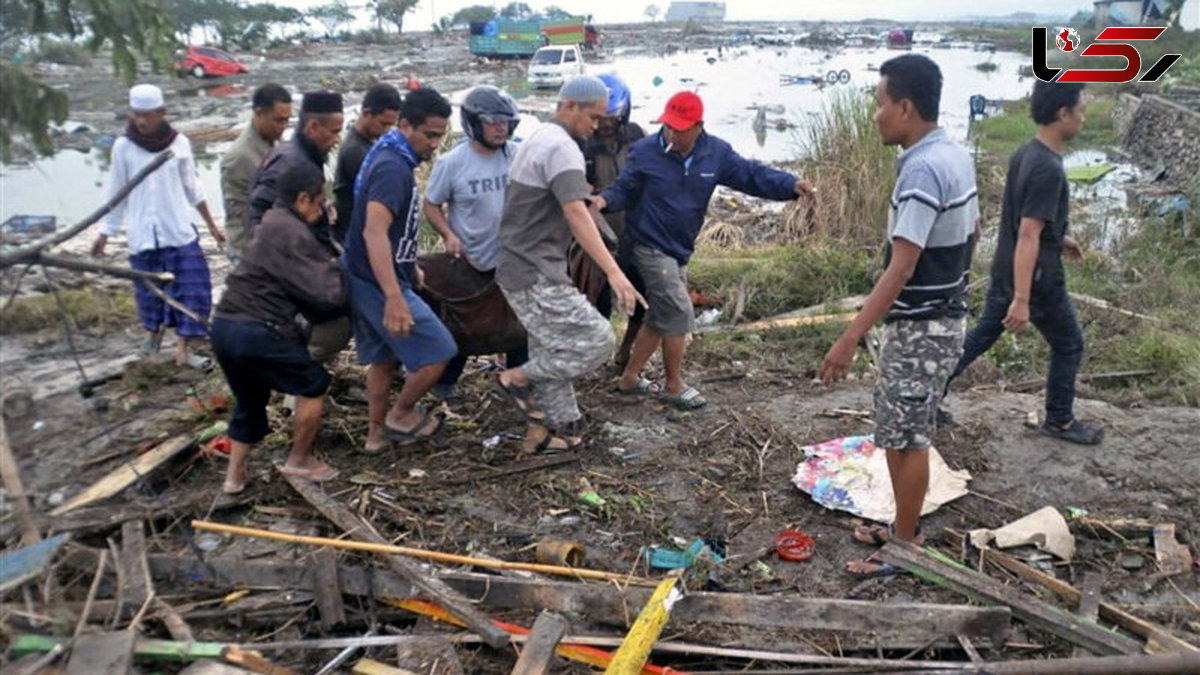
(520, 39)
(551, 66)
(208, 62)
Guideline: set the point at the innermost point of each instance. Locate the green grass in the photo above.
(1000, 135)
(88, 307)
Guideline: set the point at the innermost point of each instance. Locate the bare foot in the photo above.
(235, 481)
(313, 469)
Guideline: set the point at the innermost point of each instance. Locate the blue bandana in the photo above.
(393, 141)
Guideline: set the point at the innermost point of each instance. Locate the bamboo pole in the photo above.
(435, 556)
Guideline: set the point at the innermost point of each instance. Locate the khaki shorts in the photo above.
(671, 311)
(916, 358)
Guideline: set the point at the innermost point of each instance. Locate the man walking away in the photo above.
(378, 114)
(161, 234)
(1028, 283)
(391, 322)
(922, 295)
(284, 271)
(272, 110)
(545, 207)
(666, 188)
(470, 182)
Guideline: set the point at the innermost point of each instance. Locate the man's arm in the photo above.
(1024, 261)
(396, 317)
(627, 187)
(759, 180)
(117, 179)
(437, 218)
(904, 261)
(586, 233)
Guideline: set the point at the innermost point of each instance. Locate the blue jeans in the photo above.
(1053, 313)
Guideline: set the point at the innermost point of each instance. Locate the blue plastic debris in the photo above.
(668, 559)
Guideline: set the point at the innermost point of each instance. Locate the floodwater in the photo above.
(72, 184)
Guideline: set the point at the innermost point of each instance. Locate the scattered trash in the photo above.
(709, 317)
(592, 498)
(221, 445)
(39, 425)
(555, 551)
(207, 542)
(417, 473)
(1075, 512)
(495, 441)
(1044, 528)
(794, 546)
(762, 570)
(667, 559)
(850, 474)
(213, 431)
(657, 81)
(1088, 174)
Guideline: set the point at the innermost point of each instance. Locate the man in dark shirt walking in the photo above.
(1029, 284)
(379, 114)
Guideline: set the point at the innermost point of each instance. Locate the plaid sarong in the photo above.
(192, 288)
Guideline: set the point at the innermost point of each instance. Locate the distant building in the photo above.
(696, 11)
(1145, 13)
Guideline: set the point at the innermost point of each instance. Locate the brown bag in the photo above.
(471, 305)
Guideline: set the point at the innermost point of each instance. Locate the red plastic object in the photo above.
(794, 545)
(221, 444)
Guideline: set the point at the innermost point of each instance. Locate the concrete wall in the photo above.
(1159, 133)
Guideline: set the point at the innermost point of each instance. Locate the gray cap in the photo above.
(584, 89)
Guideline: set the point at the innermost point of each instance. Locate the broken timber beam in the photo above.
(131, 561)
(125, 475)
(102, 654)
(901, 625)
(1158, 639)
(430, 586)
(1175, 663)
(942, 571)
(16, 491)
(538, 654)
(327, 590)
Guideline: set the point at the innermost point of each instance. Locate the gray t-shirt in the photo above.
(472, 184)
(547, 173)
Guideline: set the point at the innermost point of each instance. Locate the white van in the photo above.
(552, 66)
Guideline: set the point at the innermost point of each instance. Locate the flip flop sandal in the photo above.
(688, 399)
(520, 397)
(321, 475)
(881, 570)
(878, 535)
(371, 452)
(416, 434)
(565, 444)
(642, 388)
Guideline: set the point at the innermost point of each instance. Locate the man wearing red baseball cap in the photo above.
(665, 188)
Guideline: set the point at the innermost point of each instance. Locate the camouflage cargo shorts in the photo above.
(916, 359)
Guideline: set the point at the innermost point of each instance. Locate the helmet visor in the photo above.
(494, 119)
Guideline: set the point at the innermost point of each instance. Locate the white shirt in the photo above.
(159, 210)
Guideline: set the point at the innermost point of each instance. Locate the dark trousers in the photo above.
(454, 369)
(1053, 313)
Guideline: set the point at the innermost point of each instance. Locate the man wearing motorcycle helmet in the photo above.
(465, 195)
(605, 155)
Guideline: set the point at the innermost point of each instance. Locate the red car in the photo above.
(208, 62)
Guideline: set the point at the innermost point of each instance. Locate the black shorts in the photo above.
(257, 360)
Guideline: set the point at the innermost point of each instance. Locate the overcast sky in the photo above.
(616, 11)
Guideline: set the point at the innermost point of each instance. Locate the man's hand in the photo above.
(1018, 316)
(453, 245)
(596, 204)
(626, 296)
(218, 235)
(98, 246)
(805, 189)
(837, 362)
(1072, 250)
(397, 318)
(420, 276)
(330, 213)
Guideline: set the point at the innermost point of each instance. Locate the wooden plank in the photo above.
(936, 568)
(352, 525)
(1172, 557)
(1176, 663)
(635, 648)
(430, 655)
(969, 648)
(538, 654)
(772, 324)
(1157, 638)
(899, 625)
(102, 654)
(1089, 602)
(373, 667)
(28, 562)
(253, 661)
(134, 577)
(10, 473)
(126, 474)
(327, 590)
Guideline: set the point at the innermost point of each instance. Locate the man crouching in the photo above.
(284, 271)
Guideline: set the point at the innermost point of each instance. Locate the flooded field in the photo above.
(735, 86)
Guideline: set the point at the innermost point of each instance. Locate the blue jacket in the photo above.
(666, 196)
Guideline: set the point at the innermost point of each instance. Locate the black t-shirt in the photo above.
(350, 158)
(1036, 188)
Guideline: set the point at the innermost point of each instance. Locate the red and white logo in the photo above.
(1067, 39)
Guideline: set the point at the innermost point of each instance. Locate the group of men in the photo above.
(586, 199)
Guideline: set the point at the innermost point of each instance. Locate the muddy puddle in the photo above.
(735, 86)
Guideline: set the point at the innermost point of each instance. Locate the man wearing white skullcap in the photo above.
(161, 233)
(544, 207)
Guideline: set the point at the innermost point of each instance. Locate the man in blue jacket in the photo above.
(665, 188)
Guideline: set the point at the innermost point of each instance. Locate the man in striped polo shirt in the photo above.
(922, 295)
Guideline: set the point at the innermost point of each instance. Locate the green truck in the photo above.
(520, 39)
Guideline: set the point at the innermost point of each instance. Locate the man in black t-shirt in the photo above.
(1028, 281)
(379, 114)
